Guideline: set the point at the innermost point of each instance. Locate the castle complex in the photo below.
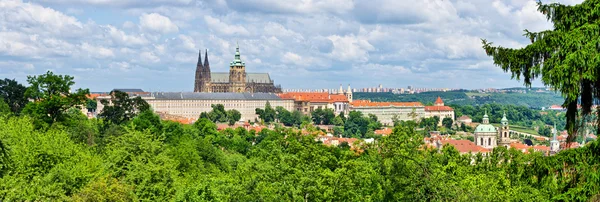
(236, 81)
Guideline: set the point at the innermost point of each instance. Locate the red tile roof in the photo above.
(541, 148)
(383, 132)
(439, 100)
(465, 146)
(314, 97)
(519, 146)
(367, 103)
(463, 117)
(438, 108)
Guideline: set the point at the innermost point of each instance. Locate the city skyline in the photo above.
(153, 45)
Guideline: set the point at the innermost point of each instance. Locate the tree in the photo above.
(268, 114)
(233, 116)
(13, 94)
(52, 96)
(564, 58)
(121, 108)
(447, 122)
(463, 127)
(337, 121)
(217, 114)
(91, 105)
(4, 108)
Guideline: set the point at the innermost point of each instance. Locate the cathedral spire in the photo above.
(199, 58)
(206, 59)
(340, 91)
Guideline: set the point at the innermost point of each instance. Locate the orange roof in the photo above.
(541, 148)
(384, 132)
(367, 103)
(465, 146)
(463, 117)
(519, 146)
(93, 95)
(438, 108)
(439, 100)
(314, 97)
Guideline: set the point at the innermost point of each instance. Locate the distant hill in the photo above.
(531, 98)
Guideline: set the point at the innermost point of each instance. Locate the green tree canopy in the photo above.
(13, 94)
(121, 108)
(52, 97)
(566, 57)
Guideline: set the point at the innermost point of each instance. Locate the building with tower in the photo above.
(440, 110)
(504, 132)
(486, 134)
(234, 81)
(489, 137)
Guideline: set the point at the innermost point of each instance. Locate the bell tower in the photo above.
(504, 132)
(237, 73)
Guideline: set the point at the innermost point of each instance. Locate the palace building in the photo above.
(234, 81)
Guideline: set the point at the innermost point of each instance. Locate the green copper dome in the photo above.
(485, 128)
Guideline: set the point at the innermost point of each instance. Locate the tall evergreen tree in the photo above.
(566, 57)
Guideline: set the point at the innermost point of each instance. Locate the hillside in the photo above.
(530, 99)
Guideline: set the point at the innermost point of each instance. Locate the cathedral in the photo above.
(487, 136)
(236, 81)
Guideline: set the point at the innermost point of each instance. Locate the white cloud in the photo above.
(35, 19)
(350, 48)
(220, 27)
(97, 51)
(157, 23)
(120, 37)
(149, 57)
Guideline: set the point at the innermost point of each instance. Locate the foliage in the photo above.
(52, 96)
(565, 58)
(121, 108)
(357, 125)
(13, 93)
(323, 116)
(219, 115)
(268, 114)
(447, 122)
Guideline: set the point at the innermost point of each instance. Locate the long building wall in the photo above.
(193, 108)
(191, 105)
(386, 114)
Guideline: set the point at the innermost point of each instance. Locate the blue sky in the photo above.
(153, 44)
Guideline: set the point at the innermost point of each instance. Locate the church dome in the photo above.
(485, 128)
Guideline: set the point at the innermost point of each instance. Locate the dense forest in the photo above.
(50, 151)
(531, 99)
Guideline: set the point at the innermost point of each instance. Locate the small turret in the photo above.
(486, 119)
(504, 120)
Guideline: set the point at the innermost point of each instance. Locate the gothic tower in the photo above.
(504, 132)
(206, 73)
(198, 87)
(237, 73)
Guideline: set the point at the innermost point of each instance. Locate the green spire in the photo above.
(237, 61)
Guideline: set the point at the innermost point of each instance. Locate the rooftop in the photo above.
(314, 97)
(465, 146)
(213, 96)
(367, 103)
(438, 108)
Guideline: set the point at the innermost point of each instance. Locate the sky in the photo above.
(308, 44)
